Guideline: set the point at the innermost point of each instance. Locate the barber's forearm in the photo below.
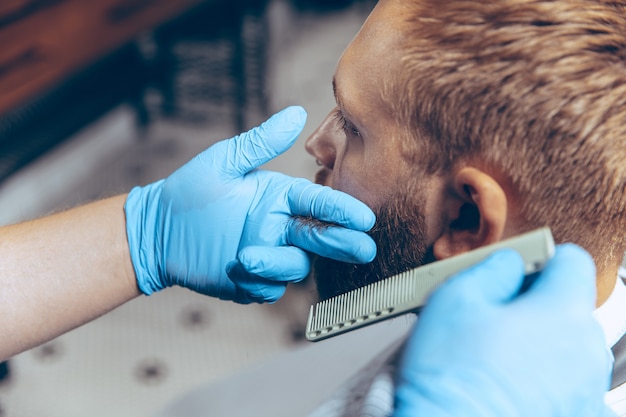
(61, 271)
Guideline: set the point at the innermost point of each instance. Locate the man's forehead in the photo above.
(385, 21)
(372, 60)
(378, 42)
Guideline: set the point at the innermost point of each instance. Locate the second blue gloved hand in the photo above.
(478, 349)
(223, 228)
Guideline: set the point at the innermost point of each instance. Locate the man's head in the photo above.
(465, 123)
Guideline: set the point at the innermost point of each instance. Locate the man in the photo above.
(468, 122)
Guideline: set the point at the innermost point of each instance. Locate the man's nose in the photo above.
(322, 143)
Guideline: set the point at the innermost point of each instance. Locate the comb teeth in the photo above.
(361, 305)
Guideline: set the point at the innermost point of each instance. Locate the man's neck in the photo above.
(605, 283)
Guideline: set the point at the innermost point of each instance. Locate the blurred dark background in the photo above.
(194, 62)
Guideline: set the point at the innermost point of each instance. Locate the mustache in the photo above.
(321, 176)
(400, 238)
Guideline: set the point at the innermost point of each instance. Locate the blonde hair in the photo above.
(535, 89)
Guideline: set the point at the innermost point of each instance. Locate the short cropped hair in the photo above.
(533, 89)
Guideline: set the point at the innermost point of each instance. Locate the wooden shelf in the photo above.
(44, 42)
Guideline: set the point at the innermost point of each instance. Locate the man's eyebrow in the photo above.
(337, 98)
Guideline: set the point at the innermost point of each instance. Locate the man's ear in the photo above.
(477, 213)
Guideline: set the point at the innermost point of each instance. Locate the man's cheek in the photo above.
(370, 190)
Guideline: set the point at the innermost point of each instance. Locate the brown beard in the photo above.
(399, 234)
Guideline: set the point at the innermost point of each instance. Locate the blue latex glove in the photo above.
(223, 228)
(480, 350)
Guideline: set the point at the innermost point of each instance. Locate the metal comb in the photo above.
(407, 292)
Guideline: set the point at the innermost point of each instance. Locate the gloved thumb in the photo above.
(257, 146)
(569, 275)
(497, 279)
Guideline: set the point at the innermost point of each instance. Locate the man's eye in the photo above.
(346, 125)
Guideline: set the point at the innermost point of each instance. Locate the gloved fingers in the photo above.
(569, 276)
(338, 243)
(257, 146)
(285, 263)
(496, 279)
(323, 203)
(253, 288)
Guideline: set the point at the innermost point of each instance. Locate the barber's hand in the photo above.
(223, 228)
(478, 349)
